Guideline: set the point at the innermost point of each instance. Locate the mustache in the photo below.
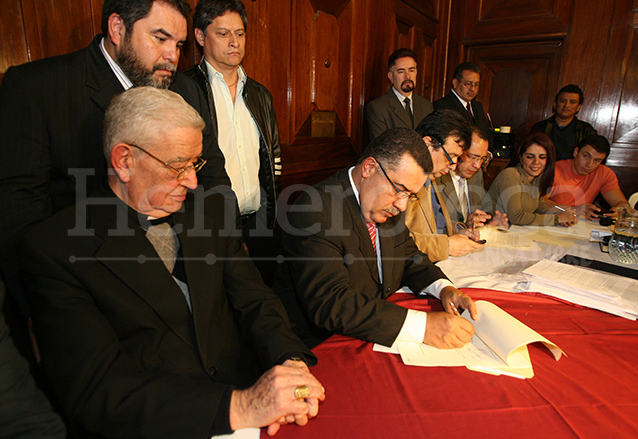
(165, 66)
(392, 210)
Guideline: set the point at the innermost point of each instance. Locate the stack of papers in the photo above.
(606, 292)
(499, 346)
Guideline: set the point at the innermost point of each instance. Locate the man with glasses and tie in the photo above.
(346, 250)
(151, 322)
(399, 107)
(462, 189)
(447, 135)
(462, 96)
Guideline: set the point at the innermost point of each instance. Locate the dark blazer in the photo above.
(479, 199)
(125, 356)
(388, 112)
(451, 102)
(26, 413)
(329, 281)
(51, 115)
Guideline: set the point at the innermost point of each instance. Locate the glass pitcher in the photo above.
(623, 246)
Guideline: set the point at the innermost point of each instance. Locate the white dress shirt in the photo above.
(238, 138)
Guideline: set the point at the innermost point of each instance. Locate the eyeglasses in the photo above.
(401, 194)
(470, 84)
(436, 145)
(180, 173)
(481, 160)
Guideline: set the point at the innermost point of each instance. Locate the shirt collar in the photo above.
(463, 101)
(399, 96)
(214, 74)
(354, 188)
(117, 70)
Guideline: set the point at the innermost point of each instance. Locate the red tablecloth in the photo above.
(591, 393)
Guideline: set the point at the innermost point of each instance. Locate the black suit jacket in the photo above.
(387, 112)
(451, 102)
(51, 115)
(329, 281)
(25, 413)
(124, 355)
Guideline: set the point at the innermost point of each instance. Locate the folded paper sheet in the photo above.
(499, 346)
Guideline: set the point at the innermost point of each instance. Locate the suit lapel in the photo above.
(448, 222)
(201, 277)
(398, 108)
(450, 197)
(100, 76)
(359, 227)
(135, 262)
(386, 236)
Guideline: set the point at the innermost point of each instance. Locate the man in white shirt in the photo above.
(347, 249)
(244, 121)
(399, 107)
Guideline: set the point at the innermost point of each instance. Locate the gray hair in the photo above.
(141, 114)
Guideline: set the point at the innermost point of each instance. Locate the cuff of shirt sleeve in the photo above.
(221, 423)
(435, 288)
(413, 329)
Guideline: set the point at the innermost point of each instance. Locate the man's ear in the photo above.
(116, 29)
(391, 76)
(368, 167)
(199, 37)
(575, 153)
(455, 82)
(122, 161)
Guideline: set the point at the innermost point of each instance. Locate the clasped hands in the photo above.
(271, 400)
(447, 330)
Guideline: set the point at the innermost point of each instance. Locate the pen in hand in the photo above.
(454, 310)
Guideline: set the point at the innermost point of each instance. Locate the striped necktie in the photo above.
(372, 230)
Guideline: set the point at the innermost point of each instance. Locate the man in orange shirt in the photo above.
(578, 181)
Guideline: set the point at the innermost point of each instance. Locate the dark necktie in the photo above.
(409, 110)
(469, 110)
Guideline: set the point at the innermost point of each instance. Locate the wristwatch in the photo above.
(556, 219)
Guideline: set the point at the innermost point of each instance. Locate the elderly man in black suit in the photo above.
(347, 249)
(51, 114)
(151, 323)
(399, 107)
(462, 96)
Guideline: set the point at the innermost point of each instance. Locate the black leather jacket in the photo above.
(259, 103)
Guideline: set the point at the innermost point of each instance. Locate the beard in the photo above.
(137, 73)
(407, 86)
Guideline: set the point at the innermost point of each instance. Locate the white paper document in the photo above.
(606, 292)
(499, 346)
(499, 238)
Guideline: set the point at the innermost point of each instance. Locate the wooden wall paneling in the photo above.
(267, 59)
(12, 36)
(515, 80)
(616, 112)
(56, 27)
(417, 28)
(321, 44)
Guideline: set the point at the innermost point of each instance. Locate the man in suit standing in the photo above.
(462, 189)
(462, 96)
(399, 107)
(51, 114)
(150, 320)
(347, 249)
(244, 122)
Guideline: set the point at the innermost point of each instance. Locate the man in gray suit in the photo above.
(462, 189)
(399, 107)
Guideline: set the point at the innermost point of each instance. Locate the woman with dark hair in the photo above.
(520, 189)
